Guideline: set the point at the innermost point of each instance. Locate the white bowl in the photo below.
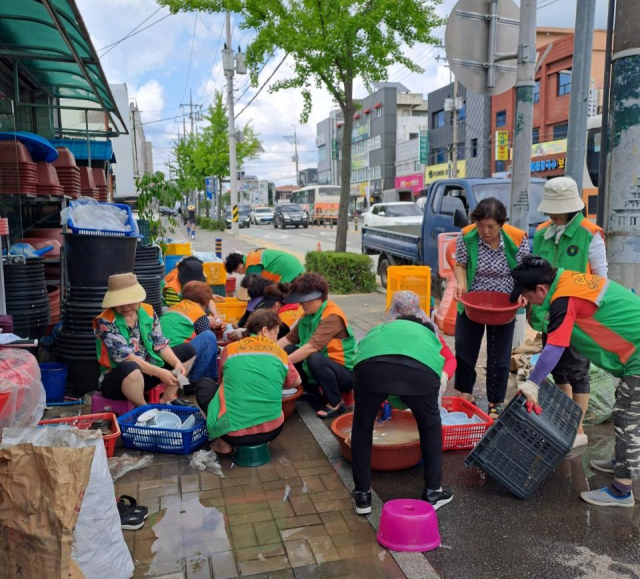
(166, 419)
(457, 415)
(443, 412)
(189, 423)
(148, 416)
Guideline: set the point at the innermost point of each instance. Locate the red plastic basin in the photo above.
(490, 308)
(389, 457)
(289, 404)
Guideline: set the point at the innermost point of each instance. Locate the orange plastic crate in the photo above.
(462, 436)
(215, 273)
(416, 278)
(231, 310)
(84, 423)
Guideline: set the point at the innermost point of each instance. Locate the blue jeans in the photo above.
(206, 363)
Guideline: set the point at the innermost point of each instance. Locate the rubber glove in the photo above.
(443, 386)
(530, 391)
(386, 411)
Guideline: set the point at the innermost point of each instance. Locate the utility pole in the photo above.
(580, 85)
(454, 149)
(622, 199)
(294, 140)
(523, 125)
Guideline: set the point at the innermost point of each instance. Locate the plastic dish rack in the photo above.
(165, 440)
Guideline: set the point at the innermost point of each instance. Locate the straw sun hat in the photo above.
(560, 196)
(123, 289)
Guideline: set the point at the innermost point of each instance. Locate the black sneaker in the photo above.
(437, 498)
(362, 502)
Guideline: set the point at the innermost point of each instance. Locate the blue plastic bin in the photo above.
(130, 222)
(54, 380)
(170, 262)
(163, 439)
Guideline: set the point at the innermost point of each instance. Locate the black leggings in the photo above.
(425, 410)
(112, 382)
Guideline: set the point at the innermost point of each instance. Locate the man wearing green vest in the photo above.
(401, 357)
(599, 318)
(321, 345)
(278, 266)
(570, 241)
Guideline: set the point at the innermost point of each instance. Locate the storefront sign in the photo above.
(441, 171)
(548, 165)
(549, 148)
(502, 145)
(360, 133)
(414, 182)
(424, 146)
(334, 149)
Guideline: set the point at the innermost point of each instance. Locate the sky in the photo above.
(171, 58)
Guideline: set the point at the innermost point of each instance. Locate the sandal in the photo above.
(133, 507)
(128, 521)
(332, 412)
(495, 410)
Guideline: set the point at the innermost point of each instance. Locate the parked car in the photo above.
(261, 215)
(290, 214)
(400, 213)
(168, 211)
(243, 217)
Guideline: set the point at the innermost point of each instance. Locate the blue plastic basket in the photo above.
(163, 439)
(85, 231)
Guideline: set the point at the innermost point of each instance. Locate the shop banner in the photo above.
(414, 182)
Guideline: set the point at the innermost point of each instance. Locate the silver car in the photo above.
(261, 215)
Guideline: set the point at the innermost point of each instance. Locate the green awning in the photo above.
(49, 41)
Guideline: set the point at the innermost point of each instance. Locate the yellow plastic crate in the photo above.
(178, 248)
(215, 273)
(415, 278)
(231, 310)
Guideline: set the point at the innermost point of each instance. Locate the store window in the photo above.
(536, 92)
(474, 148)
(560, 131)
(536, 136)
(437, 119)
(378, 112)
(500, 167)
(564, 83)
(501, 119)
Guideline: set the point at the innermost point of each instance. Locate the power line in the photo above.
(193, 41)
(213, 63)
(263, 85)
(131, 31)
(134, 34)
(249, 81)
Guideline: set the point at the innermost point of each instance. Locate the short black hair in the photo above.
(246, 280)
(490, 208)
(232, 262)
(257, 286)
(417, 320)
(532, 272)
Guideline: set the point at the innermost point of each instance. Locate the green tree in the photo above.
(331, 43)
(187, 175)
(211, 153)
(155, 189)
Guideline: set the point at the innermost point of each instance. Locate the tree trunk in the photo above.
(345, 170)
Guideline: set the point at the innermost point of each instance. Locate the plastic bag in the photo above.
(99, 549)
(207, 256)
(121, 465)
(603, 396)
(22, 396)
(206, 460)
(87, 213)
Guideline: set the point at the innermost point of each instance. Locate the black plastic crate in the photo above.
(520, 450)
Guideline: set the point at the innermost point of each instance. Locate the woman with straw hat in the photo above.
(133, 354)
(568, 241)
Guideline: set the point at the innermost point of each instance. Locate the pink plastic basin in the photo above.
(408, 525)
(490, 308)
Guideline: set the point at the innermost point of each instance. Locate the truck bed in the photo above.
(398, 240)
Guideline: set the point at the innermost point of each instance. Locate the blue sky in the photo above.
(180, 54)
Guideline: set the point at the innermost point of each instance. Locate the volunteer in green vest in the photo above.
(486, 252)
(278, 266)
(321, 345)
(246, 409)
(401, 357)
(599, 318)
(133, 354)
(570, 241)
(189, 321)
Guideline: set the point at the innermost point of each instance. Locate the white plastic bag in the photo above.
(87, 213)
(99, 548)
(22, 396)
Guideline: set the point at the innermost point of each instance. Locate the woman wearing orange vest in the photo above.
(486, 252)
(133, 353)
(188, 321)
(321, 345)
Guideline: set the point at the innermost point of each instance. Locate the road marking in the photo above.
(276, 236)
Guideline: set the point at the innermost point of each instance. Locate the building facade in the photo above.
(308, 177)
(328, 137)
(142, 149)
(123, 181)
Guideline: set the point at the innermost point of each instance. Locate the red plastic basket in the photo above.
(85, 422)
(461, 436)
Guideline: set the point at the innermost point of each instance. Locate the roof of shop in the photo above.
(49, 41)
(100, 150)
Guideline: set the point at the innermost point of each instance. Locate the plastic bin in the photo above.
(85, 422)
(415, 278)
(463, 436)
(163, 439)
(231, 310)
(170, 262)
(86, 231)
(521, 449)
(180, 249)
(54, 380)
(215, 273)
(144, 228)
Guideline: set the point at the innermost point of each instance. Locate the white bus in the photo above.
(321, 201)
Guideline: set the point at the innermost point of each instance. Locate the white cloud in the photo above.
(150, 99)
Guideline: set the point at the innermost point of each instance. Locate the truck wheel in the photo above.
(382, 271)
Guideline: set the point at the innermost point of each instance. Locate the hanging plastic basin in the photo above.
(386, 457)
(54, 380)
(489, 308)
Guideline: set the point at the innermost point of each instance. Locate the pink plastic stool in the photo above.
(153, 395)
(408, 525)
(101, 404)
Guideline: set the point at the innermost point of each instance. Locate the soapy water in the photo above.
(392, 432)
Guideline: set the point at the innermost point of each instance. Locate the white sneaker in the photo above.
(581, 440)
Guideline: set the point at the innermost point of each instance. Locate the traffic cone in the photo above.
(319, 247)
